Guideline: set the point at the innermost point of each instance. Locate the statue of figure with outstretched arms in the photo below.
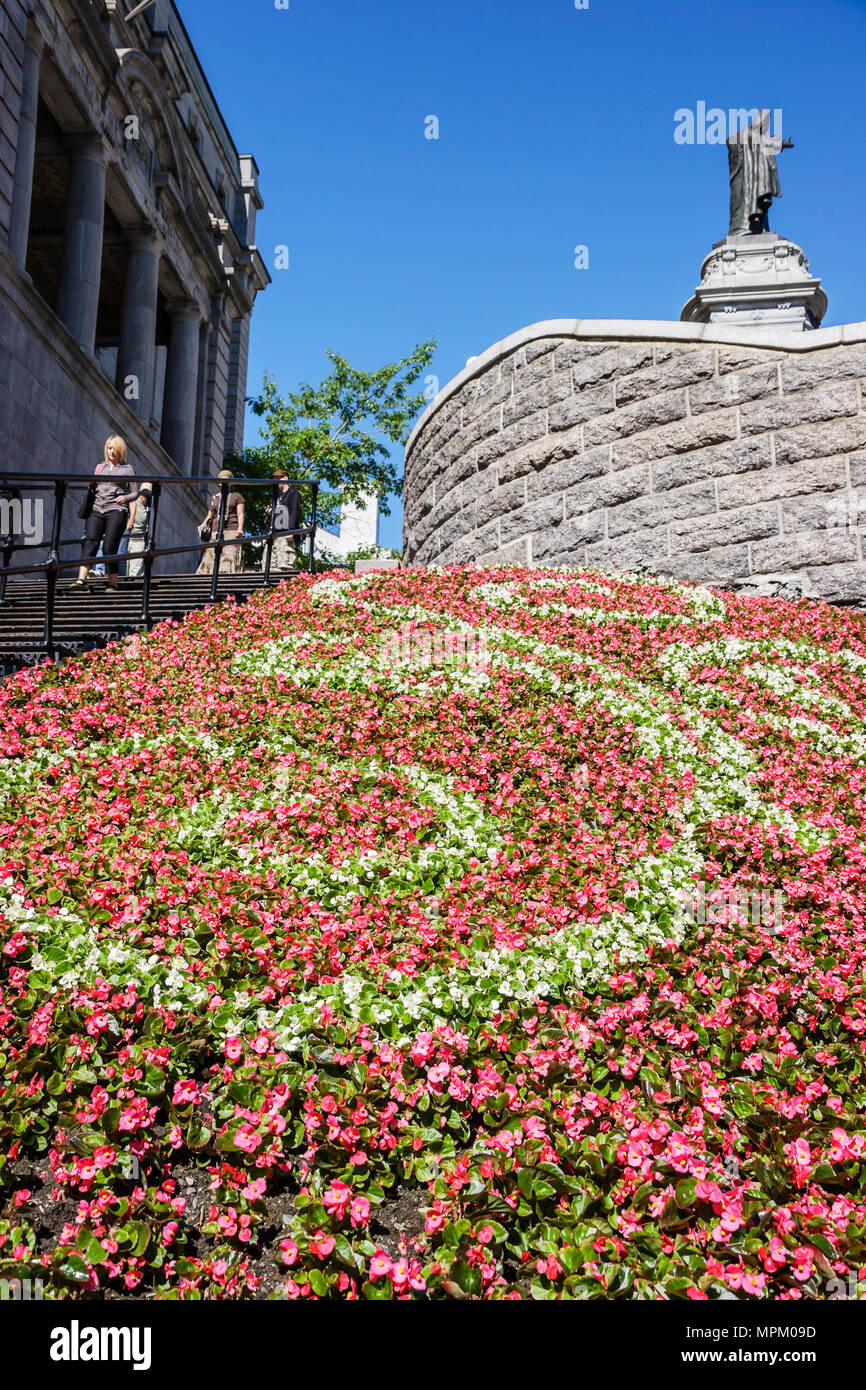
(754, 177)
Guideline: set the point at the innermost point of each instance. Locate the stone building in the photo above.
(128, 264)
(694, 450)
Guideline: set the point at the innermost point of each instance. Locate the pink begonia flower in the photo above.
(248, 1139)
(228, 1222)
(845, 1146)
(485, 1235)
(799, 1153)
(321, 1245)
(186, 1093)
(289, 1251)
(359, 1211)
(422, 1048)
(137, 1115)
(776, 1256)
(234, 1049)
(380, 1264)
(336, 1199)
(753, 1282)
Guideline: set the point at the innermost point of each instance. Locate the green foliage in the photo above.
(363, 552)
(340, 430)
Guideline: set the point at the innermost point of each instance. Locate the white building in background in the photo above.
(359, 529)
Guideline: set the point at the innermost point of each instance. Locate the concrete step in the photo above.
(84, 619)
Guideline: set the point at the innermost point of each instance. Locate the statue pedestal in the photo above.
(757, 281)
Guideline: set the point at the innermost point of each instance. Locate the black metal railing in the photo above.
(61, 484)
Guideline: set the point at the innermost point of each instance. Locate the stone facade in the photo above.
(669, 448)
(128, 265)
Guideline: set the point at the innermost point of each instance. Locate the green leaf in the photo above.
(73, 1268)
(111, 1120)
(467, 1277)
(685, 1191)
(197, 1135)
(380, 1290)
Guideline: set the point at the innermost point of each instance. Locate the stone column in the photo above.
(201, 397)
(181, 383)
(81, 253)
(22, 189)
(137, 349)
(216, 387)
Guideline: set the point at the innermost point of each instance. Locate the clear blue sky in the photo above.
(556, 129)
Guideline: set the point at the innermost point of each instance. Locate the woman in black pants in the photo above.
(113, 510)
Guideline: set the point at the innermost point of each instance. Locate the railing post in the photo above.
(217, 552)
(7, 556)
(149, 533)
(53, 560)
(7, 548)
(269, 539)
(313, 516)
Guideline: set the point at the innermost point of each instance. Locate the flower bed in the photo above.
(439, 934)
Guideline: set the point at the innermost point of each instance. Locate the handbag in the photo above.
(206, 530)
(89, 497)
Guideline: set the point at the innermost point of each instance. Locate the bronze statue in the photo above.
(754, 177)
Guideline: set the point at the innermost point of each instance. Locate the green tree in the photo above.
(340, 431)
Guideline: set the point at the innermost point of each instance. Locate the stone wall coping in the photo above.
(631, 330)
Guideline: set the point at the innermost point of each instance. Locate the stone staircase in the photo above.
(89, 619)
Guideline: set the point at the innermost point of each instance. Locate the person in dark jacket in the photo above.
(114, 496)
(286, 511)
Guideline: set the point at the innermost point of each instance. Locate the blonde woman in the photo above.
(230, 560)
(109, 508)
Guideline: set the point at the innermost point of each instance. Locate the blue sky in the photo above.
(556, 129)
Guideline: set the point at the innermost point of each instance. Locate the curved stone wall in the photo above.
(674, 448)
